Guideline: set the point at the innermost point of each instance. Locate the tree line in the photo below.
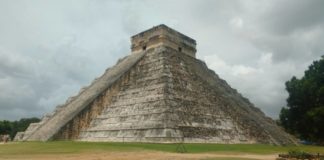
(304, 114)
(12, 127)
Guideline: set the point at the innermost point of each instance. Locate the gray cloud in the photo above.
(286, 17)
(50, 49)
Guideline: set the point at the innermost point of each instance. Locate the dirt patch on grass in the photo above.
(136, 156)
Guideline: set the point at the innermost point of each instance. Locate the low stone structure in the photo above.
(159, 93)
(19, 136)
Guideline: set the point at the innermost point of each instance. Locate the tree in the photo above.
(304, 114)
(5, 127)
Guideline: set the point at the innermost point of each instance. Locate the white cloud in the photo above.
(237, 22)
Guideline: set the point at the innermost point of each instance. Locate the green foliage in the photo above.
(5, 127)
(299, 154)
(304, 114)
(11, 128)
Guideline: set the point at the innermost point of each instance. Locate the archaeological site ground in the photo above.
(72, 150)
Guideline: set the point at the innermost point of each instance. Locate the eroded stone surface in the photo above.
(159, 94)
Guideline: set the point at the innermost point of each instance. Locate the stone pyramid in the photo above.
(159, 93)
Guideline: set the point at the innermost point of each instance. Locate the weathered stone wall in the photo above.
(195, 109)
(170, 97)
(139, 111)
(214, 111)
(198, 109)
(82, 121)
(50, 126)
(19, 136)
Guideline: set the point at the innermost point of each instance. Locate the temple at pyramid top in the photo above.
(163, 35)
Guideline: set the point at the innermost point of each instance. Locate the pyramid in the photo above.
(159, 93)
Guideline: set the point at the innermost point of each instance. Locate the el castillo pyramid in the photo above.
(159, 93)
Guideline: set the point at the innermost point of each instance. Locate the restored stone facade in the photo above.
(160, 93)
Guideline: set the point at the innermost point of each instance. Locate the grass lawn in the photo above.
(66, 147)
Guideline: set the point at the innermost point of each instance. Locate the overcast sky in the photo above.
(50, 49)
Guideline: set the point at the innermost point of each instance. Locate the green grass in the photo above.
(61, 147)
